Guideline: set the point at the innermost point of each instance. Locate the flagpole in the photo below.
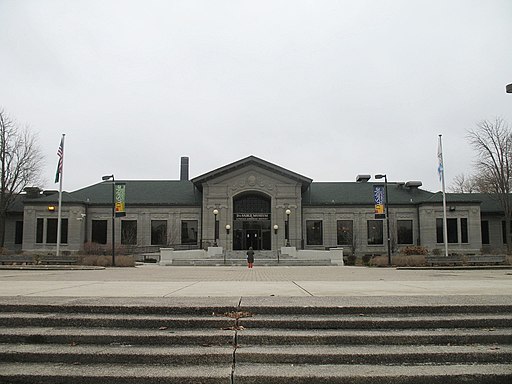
(445, 226)
(60, 172)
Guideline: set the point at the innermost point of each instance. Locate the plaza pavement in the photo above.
(153, 281)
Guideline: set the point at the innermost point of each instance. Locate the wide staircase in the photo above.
(262, 258)
(95, 341)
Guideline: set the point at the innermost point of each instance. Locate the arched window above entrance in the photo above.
(251, 203)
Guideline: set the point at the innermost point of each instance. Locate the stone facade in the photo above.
(316, 218)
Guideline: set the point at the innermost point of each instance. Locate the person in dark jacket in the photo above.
(250, 258)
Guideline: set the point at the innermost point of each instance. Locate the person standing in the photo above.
(250, 257)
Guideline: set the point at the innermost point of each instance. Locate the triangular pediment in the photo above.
(251, 161)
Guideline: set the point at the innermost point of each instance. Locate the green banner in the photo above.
(120, 196)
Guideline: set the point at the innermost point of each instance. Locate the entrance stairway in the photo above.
(85, 341)
(262, 258)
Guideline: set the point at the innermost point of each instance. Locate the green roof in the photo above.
(353, 193)
(144, 192)
(138, 192)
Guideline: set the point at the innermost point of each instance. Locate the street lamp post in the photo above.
(216, 231)
(387, 214)
(509, 88)
(228, 228)
(105, 178)
(287, 227)
(276, 227)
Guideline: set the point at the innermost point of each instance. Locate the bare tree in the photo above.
(21, 161)
(464, 184)
(492, 141)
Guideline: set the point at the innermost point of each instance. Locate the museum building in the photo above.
(254, 203)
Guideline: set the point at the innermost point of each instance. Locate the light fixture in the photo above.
(276, 227)
(228, 228)
(51, 208)
(287, 227)
(216, 228)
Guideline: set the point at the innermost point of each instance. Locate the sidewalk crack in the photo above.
(305, 290)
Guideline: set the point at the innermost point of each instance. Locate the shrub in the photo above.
(96, 249)
(106, 261)
(366, 259)
(379, 261)
(409, 261)
(351, 260)
(399, 261)
(414, 250)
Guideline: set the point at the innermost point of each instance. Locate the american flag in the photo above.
(60, 153)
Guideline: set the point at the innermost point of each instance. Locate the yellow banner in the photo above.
(120, 195)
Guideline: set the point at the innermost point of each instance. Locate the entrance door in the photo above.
(251, 221)
(253, 239)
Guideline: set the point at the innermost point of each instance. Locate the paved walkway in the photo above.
(156, 281)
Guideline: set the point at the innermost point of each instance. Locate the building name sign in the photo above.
(251, 216)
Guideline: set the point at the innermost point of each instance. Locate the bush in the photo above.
(399, 261)
(106, 261)
(366, 259)
(379, 261)
(96, 249)
(351, 260)
(414, 250)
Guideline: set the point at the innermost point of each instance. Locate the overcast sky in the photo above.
(327, 89)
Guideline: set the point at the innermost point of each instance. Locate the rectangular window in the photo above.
(439, 231)
(39, 231)
(485, 232)
(189, 232)
(375, 232)
(158, 232)
(18, 234)
(453, 233)
(314, 233)
(99, 231)
(504, 231)
(404, 231)
(129, 232)
(464, 230)
(345, 232)
(51, 231)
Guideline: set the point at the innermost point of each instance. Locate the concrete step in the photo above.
(366, 374)
(58, 373)
(117, 354)
(458, 336)
(115, 336)
(13, 319)
(118, 306)
(153, 341)
(258, 262)
(344, 321)
(374, 354)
